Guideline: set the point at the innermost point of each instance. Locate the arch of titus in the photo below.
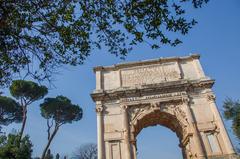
(172, 92)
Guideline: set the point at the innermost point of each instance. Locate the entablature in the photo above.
(166, 89)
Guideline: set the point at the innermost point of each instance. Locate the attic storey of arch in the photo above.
(37, 37)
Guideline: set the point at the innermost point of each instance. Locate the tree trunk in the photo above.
(49, 142)
(23, 122)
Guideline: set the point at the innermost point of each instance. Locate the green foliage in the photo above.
(61, 110)
(10, 149)
(27, 90)
(10, 111)
(58, 111)
(232, 112)
(40, 36)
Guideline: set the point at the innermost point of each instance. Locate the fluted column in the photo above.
(223, 132)
(126, 132)
(134, 149)
(196, 134)
(100, 132)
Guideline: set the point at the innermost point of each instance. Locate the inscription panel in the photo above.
(150, 74)
(150, 97)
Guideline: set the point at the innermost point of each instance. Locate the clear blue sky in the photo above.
(216, 38)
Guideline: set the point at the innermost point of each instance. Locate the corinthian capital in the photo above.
(99, 108)
(185, 100)
(124, 107)
(211, 97)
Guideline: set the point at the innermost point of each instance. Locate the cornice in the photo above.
(166, 87)
(145, 62)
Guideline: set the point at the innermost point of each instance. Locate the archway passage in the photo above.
(158, 117)
(158, 142)
(154, 118)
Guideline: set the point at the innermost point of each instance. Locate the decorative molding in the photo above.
(152, 97)
(208, 126)
(151, 89)
(148, 62)
(136, 114)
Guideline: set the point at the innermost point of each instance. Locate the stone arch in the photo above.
(173, 92)
(165, 124)
(157, 117)
(169, 115)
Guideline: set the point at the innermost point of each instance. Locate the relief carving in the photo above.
(189, 151)
(136, 112)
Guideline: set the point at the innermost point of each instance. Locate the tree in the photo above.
(49, 155)
(57, 156)
(232, 112)
(58, 111)
(26, 92)
(40, 36)
(86, 151)
(10, 149)
(10, 111)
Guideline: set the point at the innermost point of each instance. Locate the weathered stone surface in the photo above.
(172, 92)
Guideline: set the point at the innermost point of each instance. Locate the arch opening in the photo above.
(156, 142)
(160, 119)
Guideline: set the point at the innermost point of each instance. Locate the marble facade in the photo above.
(173, 92)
